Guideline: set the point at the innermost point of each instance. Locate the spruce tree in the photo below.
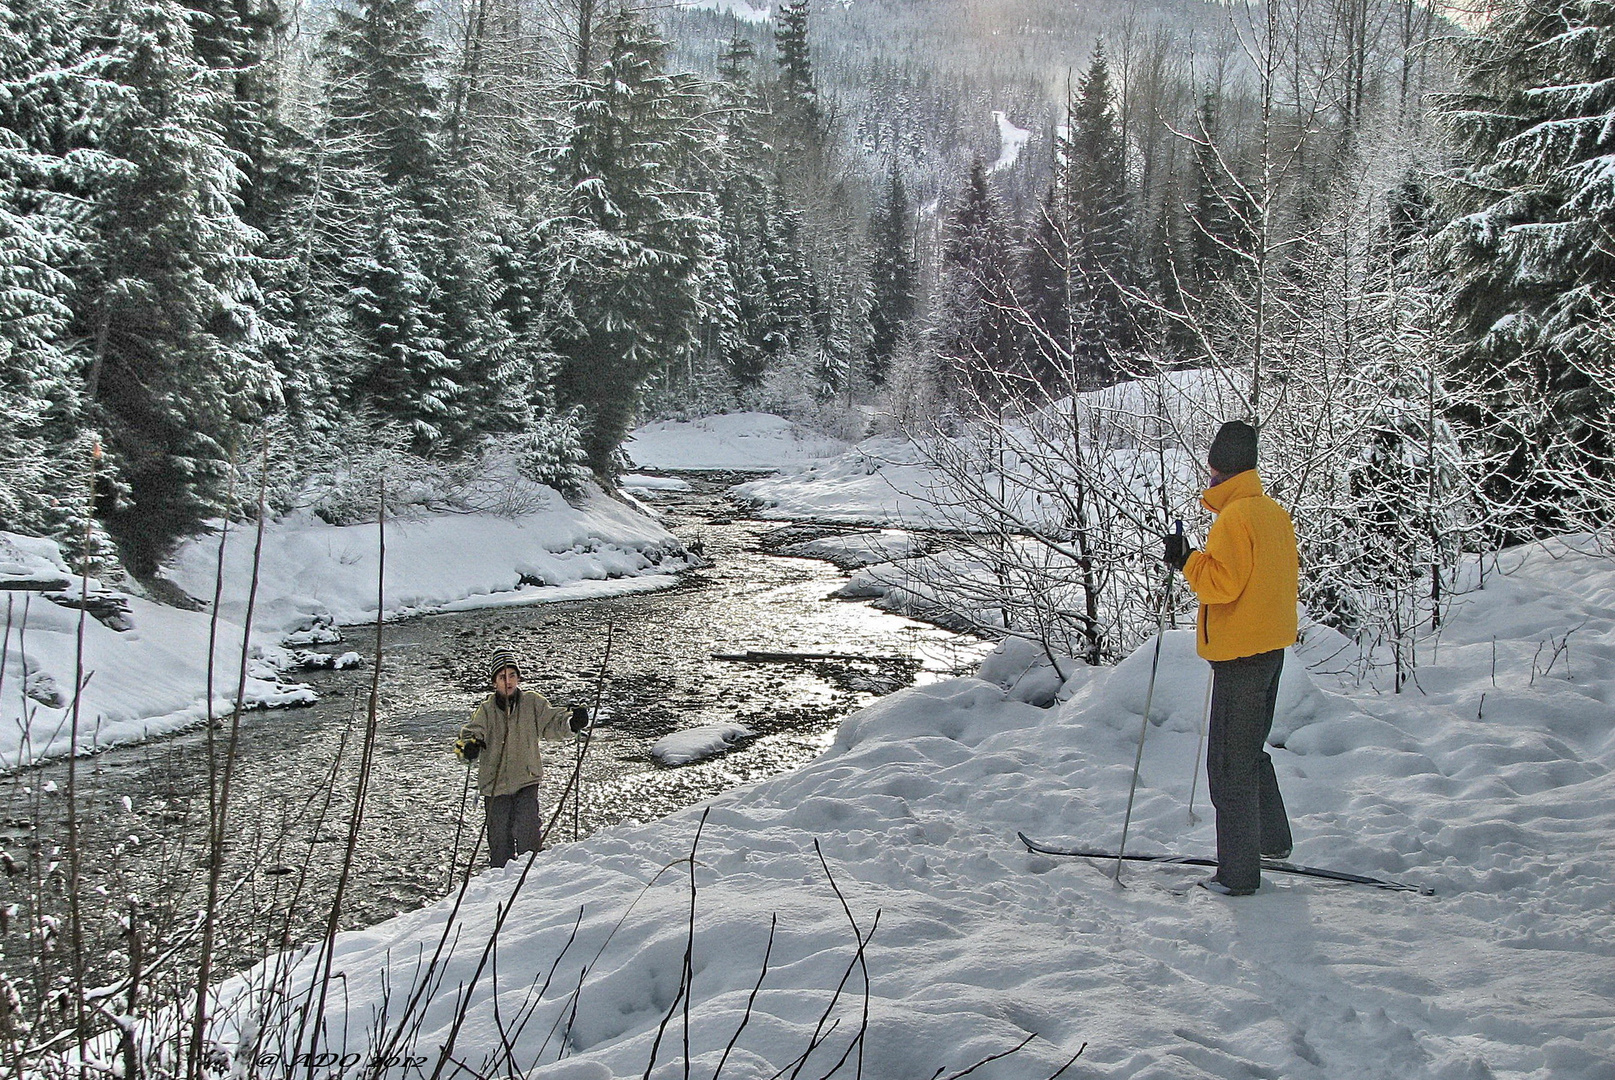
(406, 373)
(738, 292)
(1077, 264)
(1096, 213)
(240, 40)
(1049, 286)
(978, 337)
(47, 169)
(633, 246)
(169, 304)
(800, 116)
(521, 296)
(1218, 233)
(409, 267)
(1528, 249)
(382, 106)
(786, 320)
(892, 274)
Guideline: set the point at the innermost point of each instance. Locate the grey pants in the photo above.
(1239, 774)
(515, 824)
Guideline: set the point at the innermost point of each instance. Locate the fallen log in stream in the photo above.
(757, 656)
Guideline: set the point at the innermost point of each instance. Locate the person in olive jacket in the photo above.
(503, 737)
(1246, 579)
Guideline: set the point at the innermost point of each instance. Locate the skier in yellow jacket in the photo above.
(503, 737)
(1247, 581)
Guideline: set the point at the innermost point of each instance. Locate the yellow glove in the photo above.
(467, 749)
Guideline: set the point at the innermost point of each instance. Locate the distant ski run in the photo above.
(1043, 847)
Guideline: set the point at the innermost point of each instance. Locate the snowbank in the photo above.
(29, 563)
(313, 572)
(881, 481)
(148, 679)
(698, 743)
(857, 549)
(740, 442)
(1493, 786)
(889, 480)
(654, 485)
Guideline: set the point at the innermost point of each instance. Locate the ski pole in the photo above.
(459, 826)
(583, 747)
(1149, 697)
(1199, 745)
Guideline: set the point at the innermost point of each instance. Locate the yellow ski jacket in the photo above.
(1248, 575)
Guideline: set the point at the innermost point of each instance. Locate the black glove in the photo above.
(580, 718)
(467, 749)
(1177, 550)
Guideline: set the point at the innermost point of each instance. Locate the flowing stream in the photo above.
(143, 810)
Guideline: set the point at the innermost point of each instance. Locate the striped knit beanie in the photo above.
(500, 660)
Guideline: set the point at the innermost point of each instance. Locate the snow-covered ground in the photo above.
(892, 480)
(742, 442)
(857, 549)
(1489, 783)
(152, 678)
(149, 678)
(1011, 141)
(883, 480)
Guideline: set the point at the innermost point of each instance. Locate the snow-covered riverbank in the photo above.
(1491, 785)
(151, 676)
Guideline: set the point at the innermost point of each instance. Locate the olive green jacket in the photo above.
(510, 759)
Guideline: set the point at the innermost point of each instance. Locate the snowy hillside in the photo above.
(1488, 782)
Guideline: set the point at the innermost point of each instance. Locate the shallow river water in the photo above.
(143, 809)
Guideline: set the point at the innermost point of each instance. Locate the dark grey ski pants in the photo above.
(515, 824)
(1239, 774)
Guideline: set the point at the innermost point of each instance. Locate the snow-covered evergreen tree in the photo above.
(1077, 265)
(382, 105)
(785, 274)
(739, 300)
(1092, 200)
(892, 276)
(169, 300)
(979, 328)
(427, 349)
(631, 251)
(406, 373)
(47, 169)
(1219, 217)
(798, 113)
(1531, 213)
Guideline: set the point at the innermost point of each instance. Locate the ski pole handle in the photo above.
(1180, 526)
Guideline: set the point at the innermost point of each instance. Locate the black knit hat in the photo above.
(1234, 448)
(499, 661)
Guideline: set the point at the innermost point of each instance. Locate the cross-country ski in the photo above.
(1279, 866)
